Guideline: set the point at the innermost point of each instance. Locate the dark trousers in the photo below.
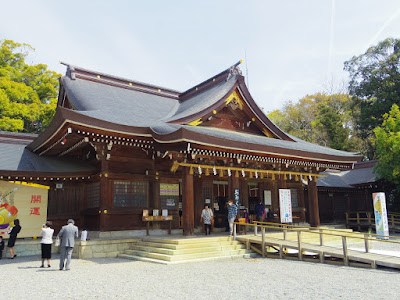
(207, 227)
(1, 254)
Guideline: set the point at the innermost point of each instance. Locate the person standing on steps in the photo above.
(206, 217)
(232, 212)
(67, 234)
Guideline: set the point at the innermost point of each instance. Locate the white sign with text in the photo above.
(285, 205)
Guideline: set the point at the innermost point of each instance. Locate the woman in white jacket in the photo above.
(47, 240)
(207, 216)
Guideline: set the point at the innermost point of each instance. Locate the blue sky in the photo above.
(293, 48)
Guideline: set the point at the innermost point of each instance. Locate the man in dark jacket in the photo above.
(260, 210)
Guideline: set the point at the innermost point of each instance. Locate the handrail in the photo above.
(387, 238)
(323, 229)
(355, 218)
(346, 260)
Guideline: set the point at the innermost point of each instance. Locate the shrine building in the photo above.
(116, 147)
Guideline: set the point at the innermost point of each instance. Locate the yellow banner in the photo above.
(23, 202)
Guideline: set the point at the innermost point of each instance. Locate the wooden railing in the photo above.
(344, 235)
(366, 219)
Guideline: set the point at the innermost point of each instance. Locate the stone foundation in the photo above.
(101, 244)
(82, 249)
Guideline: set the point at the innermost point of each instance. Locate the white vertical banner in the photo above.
(285, 205)
(381, 219)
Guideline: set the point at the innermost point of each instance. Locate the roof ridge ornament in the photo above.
(234, 70)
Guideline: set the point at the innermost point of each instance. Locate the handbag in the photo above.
(57, 243)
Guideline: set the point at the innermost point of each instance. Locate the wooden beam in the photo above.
(188, 203)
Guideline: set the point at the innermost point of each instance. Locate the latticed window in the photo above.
(295, 198)
(93, 195)
(130, 194)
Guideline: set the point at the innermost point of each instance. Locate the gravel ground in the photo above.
(260, 278)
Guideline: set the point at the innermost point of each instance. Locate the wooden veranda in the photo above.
(317, 243)
(366, 219)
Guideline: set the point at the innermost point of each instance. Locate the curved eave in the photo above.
(205, 112)
(29, 173)
(65, 118)
(259, 113)
(256, 112)
(184, 135)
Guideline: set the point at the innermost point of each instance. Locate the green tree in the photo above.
(387, 144)
(375, 83)
(28, 93)
(322, 119)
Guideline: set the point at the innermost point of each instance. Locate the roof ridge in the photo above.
(72, 69)
(198, 88)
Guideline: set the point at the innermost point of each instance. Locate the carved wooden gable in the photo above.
(235, 115)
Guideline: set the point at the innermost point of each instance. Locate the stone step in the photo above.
(195, 244)
(164, 262)
(210, 248)
(186, 257)
(184, 241)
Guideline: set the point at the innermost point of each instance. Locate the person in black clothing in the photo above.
(13, 236)
(260, 211)
(1, 246)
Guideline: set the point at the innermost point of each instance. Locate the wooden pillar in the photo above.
(198, 199)
(244, 192)
(313, 203)
(188, 203)
(281, 182)
(234, 184)
(105, 201)
(155, 200)
(275, 198)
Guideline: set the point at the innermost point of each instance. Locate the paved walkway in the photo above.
(115, 278)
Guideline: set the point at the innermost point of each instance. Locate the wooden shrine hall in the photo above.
(117, 147)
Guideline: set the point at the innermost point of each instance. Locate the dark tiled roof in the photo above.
(333, 180)
(348, 179)
(117, 105)
(119, 102)
(15, 157)
(203, 100)
(261, 140)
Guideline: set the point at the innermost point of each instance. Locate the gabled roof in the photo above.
(362, 174)
(111, 104)
(15, 157)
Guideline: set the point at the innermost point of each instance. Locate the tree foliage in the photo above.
(375, 82)
(388, 146)
(28, 93)
(322, 119)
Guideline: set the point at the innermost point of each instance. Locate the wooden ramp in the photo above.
(264, 246)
